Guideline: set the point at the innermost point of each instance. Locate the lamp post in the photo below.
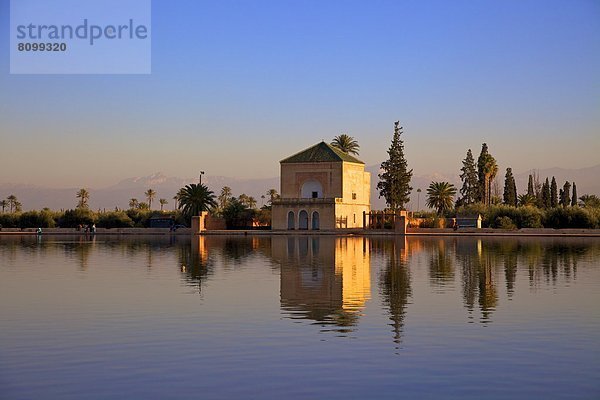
(201, 173)
(418, 199)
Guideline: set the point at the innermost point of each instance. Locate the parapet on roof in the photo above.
(321, 152)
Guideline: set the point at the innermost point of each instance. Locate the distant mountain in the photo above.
(118, 195)
(587, 179)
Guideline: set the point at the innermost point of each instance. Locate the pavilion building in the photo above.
(322, 188)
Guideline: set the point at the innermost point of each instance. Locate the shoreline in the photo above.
(528, 232)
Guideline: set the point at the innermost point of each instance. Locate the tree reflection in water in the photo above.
(395, 284)
(441, 264)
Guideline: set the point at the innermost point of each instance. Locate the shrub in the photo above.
(139, 217)
(522, 217)
(472, 209)
(114, 219)
(529, 217)
(504, 223)
(76, 217)
(36, 219)
(9, 220)
(237, 215)
(571, 217)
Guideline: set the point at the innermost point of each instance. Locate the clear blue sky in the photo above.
(237, 86)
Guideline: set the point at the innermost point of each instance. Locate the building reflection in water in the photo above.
(327, 279)
(195, 263)
(324, 279)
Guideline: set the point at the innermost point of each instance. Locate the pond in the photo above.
(299, 317)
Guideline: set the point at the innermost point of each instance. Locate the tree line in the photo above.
(543, 204)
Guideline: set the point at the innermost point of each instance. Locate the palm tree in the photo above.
(224, 197)
(150, 194)
(83, 195)
(162, 203)
(196, 198)
(3, 204)
(273, 195)
(527, 200)
(133, 203)
(346, 143)
(243, 198)
(12, 202)
(251, 202)
(490, 169)
(440, 195)
(177, 197)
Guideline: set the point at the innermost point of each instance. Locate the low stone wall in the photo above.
(214, 223)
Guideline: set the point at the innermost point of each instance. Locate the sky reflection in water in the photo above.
(299, 316)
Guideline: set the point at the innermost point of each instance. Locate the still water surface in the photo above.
(299, 317)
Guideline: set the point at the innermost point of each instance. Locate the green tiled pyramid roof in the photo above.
(321, 152)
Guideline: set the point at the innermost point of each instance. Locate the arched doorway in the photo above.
(303, 220)
(291, 224)
(315, 220)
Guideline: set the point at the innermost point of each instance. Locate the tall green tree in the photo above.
(346, 143)
(565, 199)
(196, 198)
(553, 193)
(150, 195)
(546, 195)
(394, 181)
(510, 189)
(487, 168)
(469, 180)
(84, 196)
(440, 195)
(574, 197)
(3, 204)
(530, 190)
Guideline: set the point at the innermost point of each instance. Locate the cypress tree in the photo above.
(574, 198)
(394, 182)
(510, 189)
(530, 191)
(546, 194)
(553, 194)
(561, 196)
(470, 188)
(566, 194)
(486, 172)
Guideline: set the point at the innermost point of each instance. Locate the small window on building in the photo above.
(354, 218)
(353, 196)
(315, 195)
